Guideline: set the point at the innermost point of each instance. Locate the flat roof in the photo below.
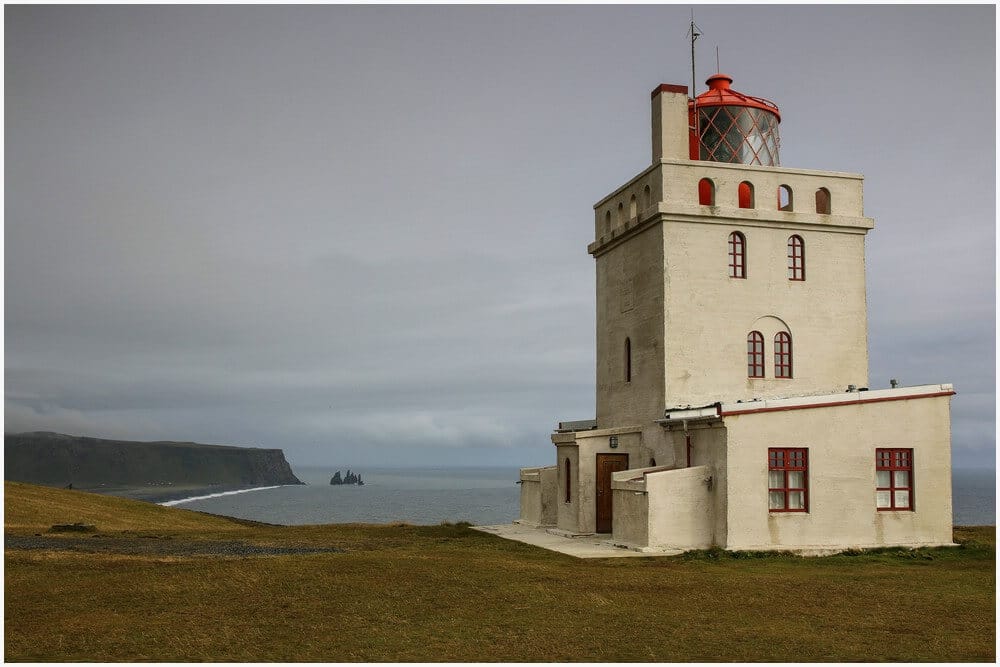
(720, 409)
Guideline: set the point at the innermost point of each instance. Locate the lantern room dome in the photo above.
(734, 127)
(719, 93)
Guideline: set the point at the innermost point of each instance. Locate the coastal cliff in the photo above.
(54, 459)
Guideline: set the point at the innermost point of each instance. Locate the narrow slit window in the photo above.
(782, 355)
(737, 255)
(568, 484)
(796, 258)
(621, 213)
(755, 354)
(628, 360)
(706, 192)
(632, 208)
(646, 198)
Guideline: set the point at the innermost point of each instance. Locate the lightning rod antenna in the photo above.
(694, 32)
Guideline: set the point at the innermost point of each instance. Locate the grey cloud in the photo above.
(361, 231)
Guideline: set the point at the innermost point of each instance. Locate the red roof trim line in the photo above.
(836, 403)
(668, 88)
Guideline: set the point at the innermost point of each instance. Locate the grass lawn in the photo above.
(447, 593)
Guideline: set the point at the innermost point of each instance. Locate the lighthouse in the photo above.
(733, 403)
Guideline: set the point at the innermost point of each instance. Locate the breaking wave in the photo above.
(169, 503)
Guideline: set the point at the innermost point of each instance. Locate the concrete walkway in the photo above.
(584, 546)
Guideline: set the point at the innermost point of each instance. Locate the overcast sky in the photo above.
(359, 233)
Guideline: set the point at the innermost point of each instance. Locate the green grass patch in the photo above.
(449, 593)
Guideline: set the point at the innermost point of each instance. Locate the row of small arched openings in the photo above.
(745, 196)
(633, 208)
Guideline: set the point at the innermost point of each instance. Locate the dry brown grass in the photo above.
(446, 593)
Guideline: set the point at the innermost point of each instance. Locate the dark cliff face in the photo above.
(54, 459)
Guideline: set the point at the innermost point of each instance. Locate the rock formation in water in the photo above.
(349, 478)
(54, 459)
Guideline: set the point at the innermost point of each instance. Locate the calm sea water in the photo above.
(478, 495)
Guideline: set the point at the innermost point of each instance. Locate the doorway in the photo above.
(606, 465)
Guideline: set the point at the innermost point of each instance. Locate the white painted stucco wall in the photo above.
(538, 496)
(841, 441)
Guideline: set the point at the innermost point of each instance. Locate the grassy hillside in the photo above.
(447, 593)
(32, 509)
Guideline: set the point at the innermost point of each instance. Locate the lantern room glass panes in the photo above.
(737, 134)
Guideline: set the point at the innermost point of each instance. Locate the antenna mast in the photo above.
(694, 33)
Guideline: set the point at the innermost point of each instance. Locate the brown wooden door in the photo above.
(607, 464)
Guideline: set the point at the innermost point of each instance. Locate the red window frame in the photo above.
(893, 462)
(782, 355)
(787, 477)
(796, 258)
(755, 354)
(737, 255)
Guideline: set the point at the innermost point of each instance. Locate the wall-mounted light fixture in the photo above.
(613, 441)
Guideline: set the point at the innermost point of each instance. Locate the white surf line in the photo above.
(170, 503)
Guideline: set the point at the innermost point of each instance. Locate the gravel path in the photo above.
(145, 546)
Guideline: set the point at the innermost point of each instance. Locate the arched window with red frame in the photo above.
(755, 354)
(744, 193)
(782, 355)
(823, 201)
(796, 258)
(706, 192)
(737, 255)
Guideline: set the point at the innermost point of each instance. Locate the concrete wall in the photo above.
(538, 496)
(662, 508)
(708, 314)
(841, 441)
(567, 513)
(630, 305)
(708, 448)
(681, 508)
(631, 508)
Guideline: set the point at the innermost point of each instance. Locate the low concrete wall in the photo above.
(663, 508)
(538, 496)
(680, 508)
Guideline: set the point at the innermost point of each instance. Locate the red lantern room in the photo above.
(733, 127)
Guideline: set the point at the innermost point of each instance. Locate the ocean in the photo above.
(481, 496)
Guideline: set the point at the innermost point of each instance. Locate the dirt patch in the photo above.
(145, 546)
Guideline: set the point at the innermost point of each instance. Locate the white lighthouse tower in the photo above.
(733, 399)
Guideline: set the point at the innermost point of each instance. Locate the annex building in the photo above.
(733, 400)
